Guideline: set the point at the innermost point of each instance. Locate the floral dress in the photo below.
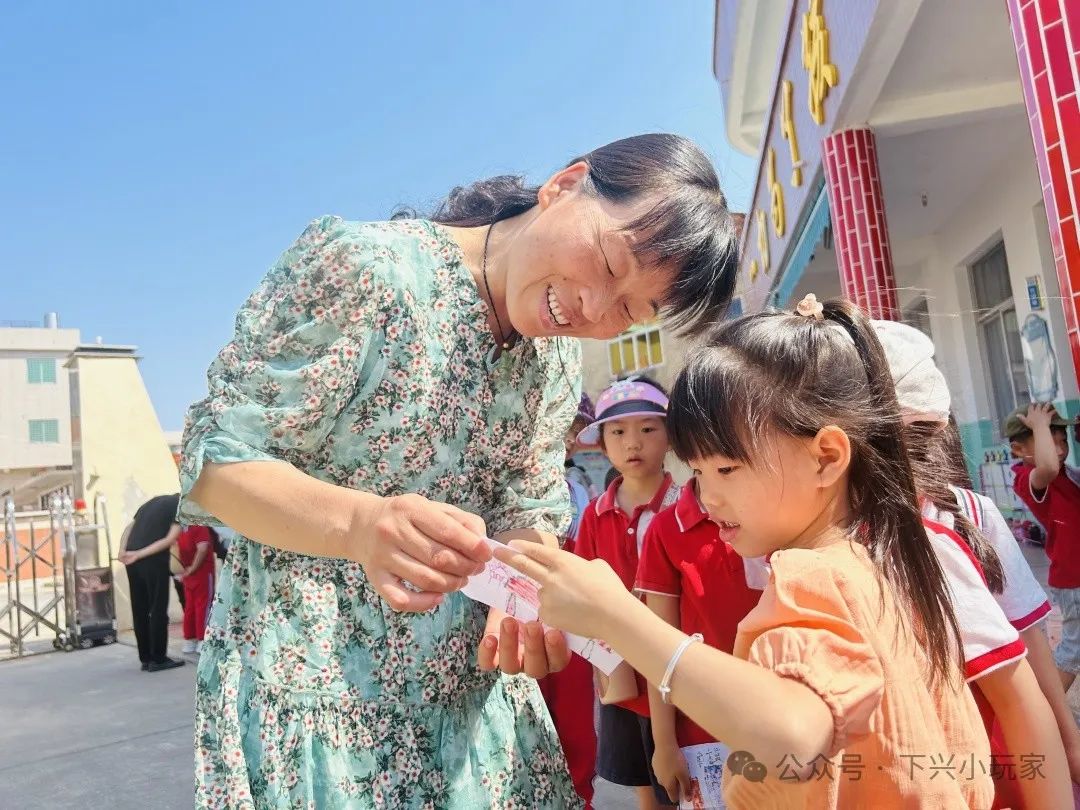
(365, 360)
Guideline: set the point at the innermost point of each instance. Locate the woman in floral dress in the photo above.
(393, 392)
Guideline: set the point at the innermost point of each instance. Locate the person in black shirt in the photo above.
(144, 551)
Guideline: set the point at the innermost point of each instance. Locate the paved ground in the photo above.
(89, 729)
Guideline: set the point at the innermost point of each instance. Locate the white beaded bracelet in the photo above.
(665, 685)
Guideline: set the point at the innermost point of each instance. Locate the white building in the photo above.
(35, 404)
(896, 166)
(43, 405)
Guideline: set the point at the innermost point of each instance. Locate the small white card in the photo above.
(501, 587)
(706, 766)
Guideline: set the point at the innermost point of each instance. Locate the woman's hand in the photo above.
(576, 595)
(128, 557)
(514, 647)
(434, 547)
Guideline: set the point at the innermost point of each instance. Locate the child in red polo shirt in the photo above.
(695, 581)
(1037, 436)
(195, 547)
(630, 429)
(569, 692)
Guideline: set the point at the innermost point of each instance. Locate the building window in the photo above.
(44, 431)
(635, 351)
(917, 314)
(999, 333)
(40, 370)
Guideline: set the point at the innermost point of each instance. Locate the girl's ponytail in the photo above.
(883, 496)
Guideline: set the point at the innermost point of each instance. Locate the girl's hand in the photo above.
(434, 547)
(514, 647)
(671, 771)
(576, 595)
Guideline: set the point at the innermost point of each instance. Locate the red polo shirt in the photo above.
(607, 533)
(190, 539)
(684, 557)
(1058, 510)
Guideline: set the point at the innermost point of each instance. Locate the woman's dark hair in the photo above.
(690, 225)
(935, 465)
(776, 372)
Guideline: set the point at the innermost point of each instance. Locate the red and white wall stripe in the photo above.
(1047, 37)
(860, 233)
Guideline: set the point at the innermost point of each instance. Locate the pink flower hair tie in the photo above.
(810, 307)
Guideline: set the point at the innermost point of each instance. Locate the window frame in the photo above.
(629, 339)
(995, 314)
(41, 368)
(44, 432)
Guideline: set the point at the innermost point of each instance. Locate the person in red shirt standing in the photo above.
(1037, 436)
(695, 581)
(630, 428)
(569, 692)
(195, 548)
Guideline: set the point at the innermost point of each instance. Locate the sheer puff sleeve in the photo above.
(295, 359)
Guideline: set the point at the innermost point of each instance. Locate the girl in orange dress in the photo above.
(845, 686)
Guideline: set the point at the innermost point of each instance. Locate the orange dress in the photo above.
(898, 742)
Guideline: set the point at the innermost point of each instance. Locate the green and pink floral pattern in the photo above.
(364, 359)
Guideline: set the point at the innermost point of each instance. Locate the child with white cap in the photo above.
(1005, 686)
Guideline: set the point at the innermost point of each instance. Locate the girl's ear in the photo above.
(831, 450)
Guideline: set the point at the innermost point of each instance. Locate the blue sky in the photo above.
(156, 157)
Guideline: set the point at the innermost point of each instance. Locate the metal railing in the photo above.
(33, 605)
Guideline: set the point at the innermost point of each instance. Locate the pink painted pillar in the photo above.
(857, 208)
(1047, 38)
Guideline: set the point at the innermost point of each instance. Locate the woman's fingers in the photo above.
(457, 530)
(423, 576)
(509, 649)
(486, 655)
(535, 658)
(558, 651)
(435, 555)
(474, 523)
(401, 598)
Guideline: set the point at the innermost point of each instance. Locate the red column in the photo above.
(857, 208)
(1047, 37)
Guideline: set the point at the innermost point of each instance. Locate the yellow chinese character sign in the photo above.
(776, 197)
(763, 241)
(787, 129)
(822, 73)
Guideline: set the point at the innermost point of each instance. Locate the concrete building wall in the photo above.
(22, 401)
(1008, 208)
(119, 448)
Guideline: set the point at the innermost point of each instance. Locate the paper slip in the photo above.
(706, 766)
(501, 587)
